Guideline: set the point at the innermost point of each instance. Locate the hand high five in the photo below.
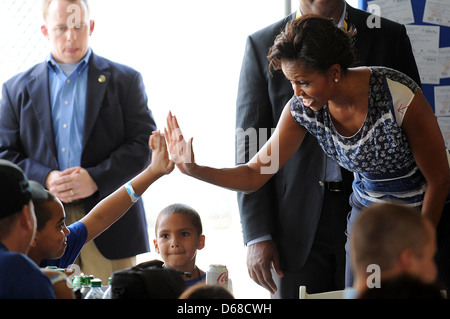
(181, 152)
(160, 157)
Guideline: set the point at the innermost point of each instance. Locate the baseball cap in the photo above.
(16, 190)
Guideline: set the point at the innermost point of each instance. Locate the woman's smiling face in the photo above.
(312, 86)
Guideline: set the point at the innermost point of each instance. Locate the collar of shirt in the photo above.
(80, 66)
(342, 21)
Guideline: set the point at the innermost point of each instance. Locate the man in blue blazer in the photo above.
(295, 224)
(79, 124)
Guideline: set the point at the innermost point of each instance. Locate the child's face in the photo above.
(177, 241)
(50, 242)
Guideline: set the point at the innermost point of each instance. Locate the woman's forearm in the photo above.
(434, 202)
(242, 178)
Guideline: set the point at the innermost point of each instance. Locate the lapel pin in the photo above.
(102, 78)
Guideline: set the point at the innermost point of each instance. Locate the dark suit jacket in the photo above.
(115, 148)
(288, 207)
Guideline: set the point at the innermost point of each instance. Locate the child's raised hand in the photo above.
(160, 157)
(181, 151)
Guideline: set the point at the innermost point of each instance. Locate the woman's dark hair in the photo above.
(315, 41)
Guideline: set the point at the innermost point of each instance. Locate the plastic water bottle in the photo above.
(96, 291)
(85, 285)
(107, 294)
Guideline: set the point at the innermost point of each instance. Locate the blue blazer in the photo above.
(288, 206)
(115, 148)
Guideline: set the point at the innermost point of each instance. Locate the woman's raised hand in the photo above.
(181, 152)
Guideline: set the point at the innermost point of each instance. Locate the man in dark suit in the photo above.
(79, 124)
(295, 224)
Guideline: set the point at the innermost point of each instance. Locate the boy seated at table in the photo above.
(179, 235)
(59, 245)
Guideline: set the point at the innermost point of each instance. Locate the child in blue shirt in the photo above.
(19, 276)
(58, 245)
(26, 279)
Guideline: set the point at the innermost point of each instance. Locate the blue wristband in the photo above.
(57, 278)
(133, 196)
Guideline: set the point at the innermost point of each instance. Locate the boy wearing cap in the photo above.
(19, 276)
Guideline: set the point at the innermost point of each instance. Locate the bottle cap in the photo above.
(96, 282)
(86, 279)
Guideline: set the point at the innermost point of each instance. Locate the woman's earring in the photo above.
(336, 80)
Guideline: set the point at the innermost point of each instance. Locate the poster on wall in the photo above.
(427, 24)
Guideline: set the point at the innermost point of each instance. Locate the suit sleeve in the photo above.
(13, 136)
(132, 155)
(253, 111)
